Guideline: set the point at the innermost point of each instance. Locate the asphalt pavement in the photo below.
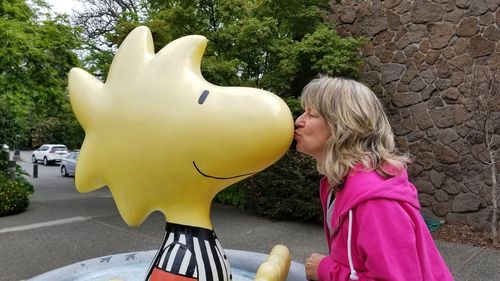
(62, 226)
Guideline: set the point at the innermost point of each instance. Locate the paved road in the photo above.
(62, 227)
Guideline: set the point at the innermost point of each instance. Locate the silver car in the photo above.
(68, 164)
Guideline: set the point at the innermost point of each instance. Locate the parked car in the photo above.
(68, 164)
(49, 153)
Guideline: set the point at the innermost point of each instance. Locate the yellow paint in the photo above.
(145, 130)
(277, 265)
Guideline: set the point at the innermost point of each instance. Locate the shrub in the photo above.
(232, 196)
(4, 160)
(287, 190)
(14, 194)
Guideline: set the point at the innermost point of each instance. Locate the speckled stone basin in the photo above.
(133, 267)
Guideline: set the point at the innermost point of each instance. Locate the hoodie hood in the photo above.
(367, 185)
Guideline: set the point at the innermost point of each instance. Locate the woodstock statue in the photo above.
(163, 138)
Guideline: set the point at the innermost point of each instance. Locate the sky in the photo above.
(63, 6)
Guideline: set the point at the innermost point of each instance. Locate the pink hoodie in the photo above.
(388, 236)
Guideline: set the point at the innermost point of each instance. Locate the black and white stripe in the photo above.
(192, 252)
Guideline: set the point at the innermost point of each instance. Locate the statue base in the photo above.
(134, 266)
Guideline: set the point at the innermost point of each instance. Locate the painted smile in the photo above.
(219, 178)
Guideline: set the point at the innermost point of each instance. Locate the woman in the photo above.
(373, 227)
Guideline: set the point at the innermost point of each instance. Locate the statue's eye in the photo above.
(203, 97)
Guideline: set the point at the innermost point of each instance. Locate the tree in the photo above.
(36, 54)
(275, 45)
(484, 103)
(270, 44)
(8, 127)
(98, 21)
(98, 18)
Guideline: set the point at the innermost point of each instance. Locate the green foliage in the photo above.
(295, 106)
(278, 45)
(103, 25)
(287, 190)
(36, 53)
(324, 51)
(233, 196)
(98, 62)
(8, 126)
(58, 130)
(14, 194)
(4, 160)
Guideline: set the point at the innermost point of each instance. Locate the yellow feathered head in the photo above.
(163, 138)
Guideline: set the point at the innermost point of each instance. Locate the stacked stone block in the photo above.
(417, 61)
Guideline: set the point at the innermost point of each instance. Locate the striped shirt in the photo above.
(329, 211)
(191, 252)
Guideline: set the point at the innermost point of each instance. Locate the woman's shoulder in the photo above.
(363, 176)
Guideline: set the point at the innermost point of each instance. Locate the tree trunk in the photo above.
(494, 205)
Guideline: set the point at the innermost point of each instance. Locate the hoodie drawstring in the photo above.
(353, 275)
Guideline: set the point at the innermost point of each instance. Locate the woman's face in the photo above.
(311, 134)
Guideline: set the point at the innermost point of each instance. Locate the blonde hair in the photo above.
(360, 130)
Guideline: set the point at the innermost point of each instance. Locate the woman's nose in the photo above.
(299, 122)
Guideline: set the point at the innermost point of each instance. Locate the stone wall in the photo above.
(417, 62)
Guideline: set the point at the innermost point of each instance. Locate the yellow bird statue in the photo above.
(163, 138)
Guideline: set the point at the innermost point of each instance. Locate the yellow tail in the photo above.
(277, 265)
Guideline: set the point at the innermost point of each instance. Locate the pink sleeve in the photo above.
(324, 268)
(386, 238)
(329, 270)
